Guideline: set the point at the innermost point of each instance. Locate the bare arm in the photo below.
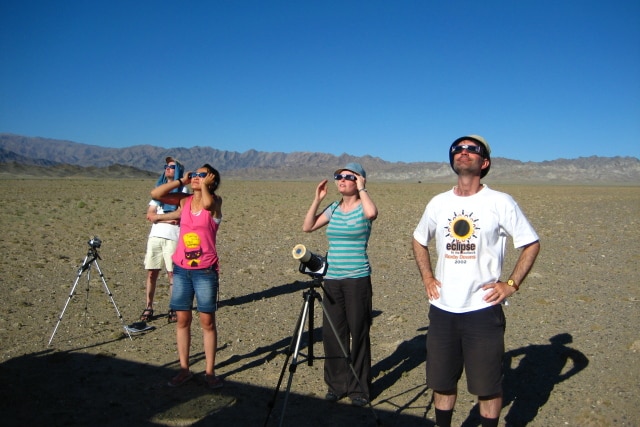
(313, 220)
(423, 261)
(527, 257)
(210, 201)
(501, 290)
(369, 208)
(216, 207)
(207, 197)
(152, 213)
(164, 194)
(170, 217)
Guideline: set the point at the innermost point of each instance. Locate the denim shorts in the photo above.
(201, 283)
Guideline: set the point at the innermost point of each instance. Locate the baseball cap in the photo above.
(478, 139)
(355, 168)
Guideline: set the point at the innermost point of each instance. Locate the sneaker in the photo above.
(213, 382)
(184, 376)
(359, 401)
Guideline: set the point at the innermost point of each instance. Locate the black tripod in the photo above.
(307, 311)
(91, 258)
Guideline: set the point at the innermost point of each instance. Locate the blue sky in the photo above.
(400, 80)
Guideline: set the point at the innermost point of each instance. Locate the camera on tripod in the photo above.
(310, 263)
(95, 242)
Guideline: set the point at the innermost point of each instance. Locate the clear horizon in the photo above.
(399, 81)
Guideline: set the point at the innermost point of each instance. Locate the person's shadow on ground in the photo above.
(408, 356)
(530, 374)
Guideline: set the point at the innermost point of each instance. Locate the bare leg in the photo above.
(152, 279)
(444, 403)
(183, 336)
(210, 340)
(445, 400)
(490, 406)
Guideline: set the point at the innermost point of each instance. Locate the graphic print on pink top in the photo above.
(197, 243)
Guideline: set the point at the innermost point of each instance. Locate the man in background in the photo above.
(162, 240)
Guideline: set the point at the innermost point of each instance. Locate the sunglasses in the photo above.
(169, 166)
(340, 176)
(470, 148)
(198, 174)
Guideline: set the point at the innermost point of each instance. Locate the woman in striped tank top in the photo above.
(347, 284)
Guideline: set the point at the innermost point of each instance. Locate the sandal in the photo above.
(146, 315)
(184, 376)
(213, 382)
(172, 317)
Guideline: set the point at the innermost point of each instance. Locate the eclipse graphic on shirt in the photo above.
(462, 227)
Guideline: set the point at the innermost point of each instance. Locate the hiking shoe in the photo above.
(359, 401)
(332, 397)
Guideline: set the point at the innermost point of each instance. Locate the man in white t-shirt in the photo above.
(470, 224)
(162, 240)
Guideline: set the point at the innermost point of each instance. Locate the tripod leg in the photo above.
(73, 288)
(86, 300)
(294, 346)
(106, 288)
(310, 328)
(294, 359)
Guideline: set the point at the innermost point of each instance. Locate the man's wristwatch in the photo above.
(511, 283)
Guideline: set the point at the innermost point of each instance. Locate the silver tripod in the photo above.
(91, 259)
(307, 314)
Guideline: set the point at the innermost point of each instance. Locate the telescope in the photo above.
(310, 263)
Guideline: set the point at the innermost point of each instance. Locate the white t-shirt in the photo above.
(163, 229)
(471, 234)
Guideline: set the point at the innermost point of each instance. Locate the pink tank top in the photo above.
(197, 243)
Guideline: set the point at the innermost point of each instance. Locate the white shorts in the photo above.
(159, 250)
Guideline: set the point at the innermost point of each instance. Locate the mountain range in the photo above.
(36, 156)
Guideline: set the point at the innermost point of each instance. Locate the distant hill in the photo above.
(23, 155)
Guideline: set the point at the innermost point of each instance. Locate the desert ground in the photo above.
(573, 330)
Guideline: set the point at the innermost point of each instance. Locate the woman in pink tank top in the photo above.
(195, 270)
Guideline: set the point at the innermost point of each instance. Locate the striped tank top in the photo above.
(348, 235)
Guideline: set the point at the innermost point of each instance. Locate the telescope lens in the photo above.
(312, 262)
(301, 254)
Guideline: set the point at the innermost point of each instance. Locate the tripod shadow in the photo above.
(530, 374)
(266, 353)
(406, 357)
(271, 292)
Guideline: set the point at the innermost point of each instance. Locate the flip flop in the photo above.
(180, 379)
(213, 382)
